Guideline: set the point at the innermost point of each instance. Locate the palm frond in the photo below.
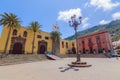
(34, 26)
(55, 36)
(9, 20)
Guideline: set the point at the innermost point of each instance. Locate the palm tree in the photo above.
(34, 26)
(55, 36)
(11, 21)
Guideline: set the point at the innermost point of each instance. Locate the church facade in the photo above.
(21, 41)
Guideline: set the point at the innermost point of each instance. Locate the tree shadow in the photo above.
(64, 69)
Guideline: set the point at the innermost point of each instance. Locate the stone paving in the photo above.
(102, 69)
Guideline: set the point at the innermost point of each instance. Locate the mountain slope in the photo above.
(113, 28)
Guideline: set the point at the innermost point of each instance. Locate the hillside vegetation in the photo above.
(113, 28)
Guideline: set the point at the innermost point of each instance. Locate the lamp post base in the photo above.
(79, 64)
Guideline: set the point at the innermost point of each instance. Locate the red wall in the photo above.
(104, 43)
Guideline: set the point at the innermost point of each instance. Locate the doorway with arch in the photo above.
(42, 47)
(17, 45)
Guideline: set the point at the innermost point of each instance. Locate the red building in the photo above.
(95, 42)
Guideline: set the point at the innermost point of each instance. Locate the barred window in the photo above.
(14, 32)
(25, 34)
(73, 44)
(66, 44)
(39, 36)
(46, 38)
(62, 44)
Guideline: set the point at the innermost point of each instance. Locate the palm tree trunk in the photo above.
(53, 48)
(58, 47)
(8, 37)
(33, 43)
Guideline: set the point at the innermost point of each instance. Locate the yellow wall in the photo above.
(29, 39)
(3, 40)
(64, 50)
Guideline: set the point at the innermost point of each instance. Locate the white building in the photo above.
(55, 28)
(116, 43)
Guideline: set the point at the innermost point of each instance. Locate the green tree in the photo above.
(11, 21)
(34, 26)
(55, 36)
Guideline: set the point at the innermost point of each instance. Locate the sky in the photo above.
(49, 12)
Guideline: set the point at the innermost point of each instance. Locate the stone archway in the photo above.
(17, 48)
(42, 47)
(90, 45)
(73, 50)
(17, 45)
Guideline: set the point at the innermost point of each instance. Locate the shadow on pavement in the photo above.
(64, 69)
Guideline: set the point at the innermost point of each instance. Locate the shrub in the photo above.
(118, 52)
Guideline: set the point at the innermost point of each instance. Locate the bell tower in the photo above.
(56, 28)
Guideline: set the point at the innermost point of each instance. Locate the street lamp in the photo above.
(75, 23)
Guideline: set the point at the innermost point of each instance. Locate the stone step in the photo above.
(53, 57)
(79, 65)
(79, 62)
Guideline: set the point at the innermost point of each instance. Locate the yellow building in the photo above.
(21, 42)
(66, 45)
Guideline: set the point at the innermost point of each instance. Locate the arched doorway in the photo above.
(90, 45)
(83, 45)
(73, 50)
(42, 47)
(17, 48)
(17, 45)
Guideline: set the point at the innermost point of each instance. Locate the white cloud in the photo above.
(102, 22)
(85, 22)
(103, 4)
(66, 15)
(116, 15)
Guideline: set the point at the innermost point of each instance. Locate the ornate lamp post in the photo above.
(74, 23)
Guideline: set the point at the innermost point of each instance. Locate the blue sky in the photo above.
(49, 12)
